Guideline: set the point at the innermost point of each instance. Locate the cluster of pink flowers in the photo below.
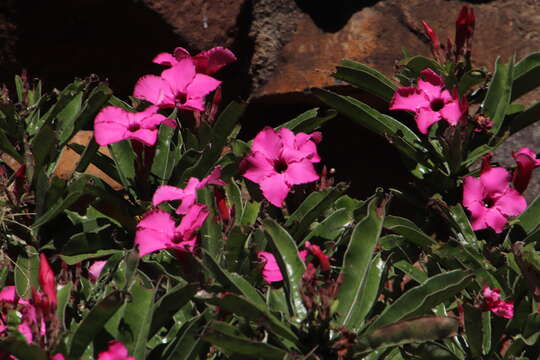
(491, 199)
(183, 85)
(271, 272)
(492, 302)
(280, 159)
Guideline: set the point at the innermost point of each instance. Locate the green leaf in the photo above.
(67, 116)
(423, 297)
(422, 329)
(291, 266)
(399, 135)
(44, 148)
(308, 121)
(137, 319)
(233, 281)
(166, 155)
(100, 160)
(234, 199)
(365, 78)
(530, 218)
(210, 233)
(331, 227)
(124, 158)
(417, 64)
(93, 323)
(241, 345)
(526, 75)
(524, 119)
(63, 298)
(21, 350)
(473, 329)
(462, 221)
(170, 303)
(409, 231)
(235, 251)
(470, 79)
(75, 259)
(357, 261)
(416, 274)
(26, 273)
(261, 315)
(186, 344)
(251, 211)
(8, 148)
(498, 94)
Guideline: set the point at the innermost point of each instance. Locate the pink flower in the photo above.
(207, 62)
(116, 351)
(157, 230)
(526, 162)
(279, 160)
(95, 269)
(428, 100)
(490, 199)
(47, 282)
(179, 86)
(114, 124)
(492, 302)
(27, 311)
(188, 195)
(271, 272)
(58, 356)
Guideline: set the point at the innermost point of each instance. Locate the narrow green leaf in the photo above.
(166, 155)
(530, 218)
(356, 261)
(8, 148)
(498, 94)
(234, 198)
(124, 158)
(526, 75)
(67, 116)
(22, 350)
(365, 78)
(26, 273)
(331, 227)
(75, 259)
(170, 303)
(473, 329)
(524, 119)
(63, 298)
(409, 231)
(462, 221)
(93, 323)
(309, 121)
(290, 264)
(416, 274)
(211, 233)
(186, 344)
(470, 79)
(100, 160)
(423, 297)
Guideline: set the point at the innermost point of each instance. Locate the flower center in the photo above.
(134, 127)
(437, 104)
(280, 165)
(489, 202)
(181, 98)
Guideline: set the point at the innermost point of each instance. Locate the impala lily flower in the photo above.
(27, 311)
(428, 100)
(179, 86)
(114, 124)
(207, 62)
(526, 162)
(188, 195)
(158, 230)
(492, 302)
(490, 199)
(279, 160)
(116, 351)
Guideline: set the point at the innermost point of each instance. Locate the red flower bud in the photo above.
(47, 281)
(435, 45)
(464, 29)
(324, 261)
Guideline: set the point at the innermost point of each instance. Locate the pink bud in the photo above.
(47, 281)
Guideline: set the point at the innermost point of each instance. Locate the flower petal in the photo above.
(164, 59)
(425, 117)
(495, 180)
(478, 215)
(146, 136)
(95, 269)
(270, 272)
(213, 178)
(192, 221)
(409, 98)
(300, 172)
(511, 203)
(153, 89)
(430, 83)
(201, 86)
(210, 61)
(167, 193)
(116, 351)
(275, 189)
(180, 75)
(451, 112)
(473, 190)
(155, 231)
(495, 220)
(110, 125)
(269, 142)
(256, 167)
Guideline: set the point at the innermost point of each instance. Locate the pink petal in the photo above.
(187, 202)
(193, 104)
(8, 294)
(167, 193)
(58, 356)
(478, 215)
(300, 173)
(511, 203)
(153, 89)
(213, 178)
(256, 167)
(146, 136)
(95, 269)
(181, 53)
(302, 254)
(451, 112)
(210, 61)
(110, 125)
(324, 260)
(271, 272)
(430, 83)
(154, 120)
(473, 190)
(201, 86)
(155, 231)
(192, 221)
(164, 59)
(425, 117)
(269, 143)
(275, 189)
(409, 99)
(495, 220)
(495, 180)
(116, 351)
(491, 296)
(25, 329)
(504, 309)
(180, 75)
(47, 280)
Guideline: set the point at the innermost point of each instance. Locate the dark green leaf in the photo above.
(170, 303)
(21, 350)
(416, 274)
(166, 156)
(524, 119)
(75, 259)
(124, 158)
(526, 75)
(409, 231)
(8, 148)
(331, 227)
(186, 344)
(530, 218)
(26, 273)
(498, 94)
(63, 297)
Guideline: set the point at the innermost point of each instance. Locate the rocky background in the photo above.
(284, 48)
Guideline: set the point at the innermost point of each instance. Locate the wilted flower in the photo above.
(114, 124)
(526, 162)
(490, 199)
(279, 160)
(157, 230)
(116, 351)
(206, 62)
(179, 86)
(492, 302)
(429, 101)
(188, 195)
